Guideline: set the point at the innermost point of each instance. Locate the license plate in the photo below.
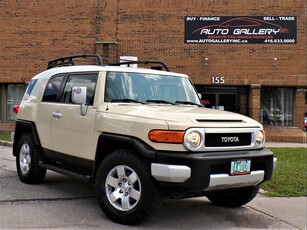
(240, 167)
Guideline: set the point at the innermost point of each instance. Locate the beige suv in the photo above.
(138, 134)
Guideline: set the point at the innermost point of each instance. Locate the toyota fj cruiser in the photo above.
(138, 134)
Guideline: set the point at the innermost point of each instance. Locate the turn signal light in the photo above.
(166, 136)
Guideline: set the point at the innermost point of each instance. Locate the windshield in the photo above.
(149, 88)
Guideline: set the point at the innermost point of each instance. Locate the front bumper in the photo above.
(181, 174)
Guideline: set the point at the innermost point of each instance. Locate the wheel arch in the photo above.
(21, 128)
(108, 143)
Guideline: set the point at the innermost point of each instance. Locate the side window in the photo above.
(82, 80)
(53, 89)
(31, 86)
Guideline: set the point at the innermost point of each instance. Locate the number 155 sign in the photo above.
(218, 80)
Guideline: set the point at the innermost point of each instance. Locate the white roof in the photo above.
(95, 68)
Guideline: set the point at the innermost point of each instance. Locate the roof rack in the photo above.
(69, 61)
(128, 63)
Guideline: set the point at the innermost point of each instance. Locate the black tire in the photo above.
(233, 198)
(130, 195)
(27, 159)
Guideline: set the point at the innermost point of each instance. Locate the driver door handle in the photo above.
(57, 115)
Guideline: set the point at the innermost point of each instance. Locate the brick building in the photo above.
(265, 79)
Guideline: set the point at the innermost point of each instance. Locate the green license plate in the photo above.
(240, 167)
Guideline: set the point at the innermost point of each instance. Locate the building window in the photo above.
(233, 99)
(277, 106)
(14, 97)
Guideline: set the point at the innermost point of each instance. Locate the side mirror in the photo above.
(199, 96)
(79, 97)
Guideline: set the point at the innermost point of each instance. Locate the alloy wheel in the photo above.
(123, 188)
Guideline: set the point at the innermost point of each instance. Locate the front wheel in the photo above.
(125, 190)
(27, 159)
(232, 198)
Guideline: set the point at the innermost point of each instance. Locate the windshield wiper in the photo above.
(127, 100)
(188, 103)
(160, 102)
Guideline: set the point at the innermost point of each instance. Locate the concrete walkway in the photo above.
(277, 212)
(290, 210)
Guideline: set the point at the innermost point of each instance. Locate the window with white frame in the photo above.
(15, 93)
(277, 106)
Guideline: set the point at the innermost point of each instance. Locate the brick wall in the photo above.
(300, 108)
(255, 102)
(34, 31)
(155, 29)
(285, 134)
(7, 127)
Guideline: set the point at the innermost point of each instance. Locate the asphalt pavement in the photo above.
(62, 202)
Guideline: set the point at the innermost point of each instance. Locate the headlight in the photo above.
(259, 138)
(192, 140)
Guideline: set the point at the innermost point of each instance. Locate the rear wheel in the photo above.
(233, 197)
(125, 190)
(27, 161)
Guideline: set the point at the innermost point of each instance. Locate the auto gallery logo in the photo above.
(256, 29)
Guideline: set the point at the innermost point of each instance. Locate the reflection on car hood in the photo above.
(183, 115)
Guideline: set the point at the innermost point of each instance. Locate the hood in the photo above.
(177, 116)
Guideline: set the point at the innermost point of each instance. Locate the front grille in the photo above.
(227, 139)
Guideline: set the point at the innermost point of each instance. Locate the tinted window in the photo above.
(82, 80)
(53, 89)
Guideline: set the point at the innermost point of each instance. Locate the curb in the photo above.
(285, 144)
(6, 143)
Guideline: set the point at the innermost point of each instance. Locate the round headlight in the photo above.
(193, 140)
(259, 138)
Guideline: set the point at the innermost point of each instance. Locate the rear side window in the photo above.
(31, 86)
(53, 89)
(29, 89)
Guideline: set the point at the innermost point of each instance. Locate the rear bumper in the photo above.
(183, 174)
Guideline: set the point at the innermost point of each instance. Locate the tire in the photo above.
(233, 198)
(27, 159)
(125, 190)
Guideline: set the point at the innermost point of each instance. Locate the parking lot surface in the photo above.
(66, 203)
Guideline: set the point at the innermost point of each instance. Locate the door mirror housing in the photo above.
(79, 97)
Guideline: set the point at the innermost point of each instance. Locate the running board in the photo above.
(82, 177)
